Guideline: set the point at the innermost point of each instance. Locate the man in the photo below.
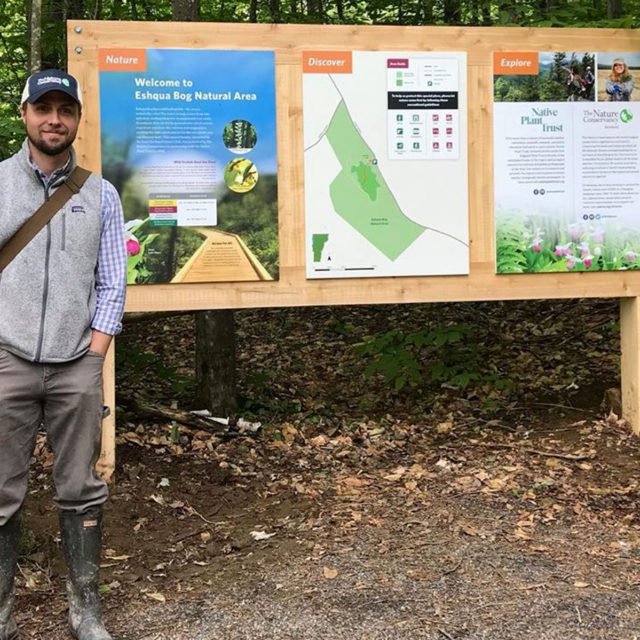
(61, 302)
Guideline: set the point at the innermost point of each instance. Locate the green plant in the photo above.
(445, 355)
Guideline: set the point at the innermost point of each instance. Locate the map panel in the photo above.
(385, 138)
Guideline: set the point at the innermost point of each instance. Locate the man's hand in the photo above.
(100, 342)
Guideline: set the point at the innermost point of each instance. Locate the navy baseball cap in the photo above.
(50, 80)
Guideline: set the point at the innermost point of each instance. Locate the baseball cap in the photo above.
(50, 80)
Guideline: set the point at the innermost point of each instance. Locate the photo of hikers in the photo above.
(617, 73)
(563, 76)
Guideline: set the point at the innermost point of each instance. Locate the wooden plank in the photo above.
(288, 41)
(630, 360)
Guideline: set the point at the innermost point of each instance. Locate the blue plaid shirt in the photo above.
(111, 272)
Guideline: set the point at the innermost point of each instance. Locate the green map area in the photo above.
(360, 194)
(318, 240)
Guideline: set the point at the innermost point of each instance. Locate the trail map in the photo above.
(385, 164)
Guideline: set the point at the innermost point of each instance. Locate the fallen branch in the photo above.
(146, 409)
(184, 537)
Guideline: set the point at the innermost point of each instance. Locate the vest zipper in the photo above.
(45, 290)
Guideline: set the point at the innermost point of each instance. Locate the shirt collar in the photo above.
(62, 172)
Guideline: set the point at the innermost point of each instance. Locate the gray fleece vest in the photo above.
(47, 294)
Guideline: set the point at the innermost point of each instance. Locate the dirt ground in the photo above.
(360, 513)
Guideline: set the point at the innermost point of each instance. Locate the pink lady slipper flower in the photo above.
(133, 244)
(584, 249)
(563, 250)
(574, 232)
(630, 256)
(588, 260)
(598, 236)
(536, 245)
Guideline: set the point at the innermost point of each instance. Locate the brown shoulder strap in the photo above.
(21, 238)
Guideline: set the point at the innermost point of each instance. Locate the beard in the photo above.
(51, 149)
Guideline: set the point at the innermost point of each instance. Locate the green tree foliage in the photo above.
(14, 40)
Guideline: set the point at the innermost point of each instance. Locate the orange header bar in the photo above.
(327, 62)
(515, 63)
(122, 59)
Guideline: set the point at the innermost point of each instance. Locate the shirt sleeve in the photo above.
(111, 272)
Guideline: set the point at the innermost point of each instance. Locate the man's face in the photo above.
(52, 122)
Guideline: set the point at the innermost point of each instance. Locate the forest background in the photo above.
(462, 486)
(34, 31)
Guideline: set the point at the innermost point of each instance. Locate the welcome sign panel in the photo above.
(189, 141)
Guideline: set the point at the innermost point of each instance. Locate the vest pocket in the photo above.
(63, 213)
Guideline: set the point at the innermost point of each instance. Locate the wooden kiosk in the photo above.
(293, 288)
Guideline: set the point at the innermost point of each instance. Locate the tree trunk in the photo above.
(274, 9)
(35, 29)
(486, 13)
(215, 330)
(427, 12)
(216, 362)
(185, 10)
(253, 11)
(614, 9)
(451, 12)
(314, 10)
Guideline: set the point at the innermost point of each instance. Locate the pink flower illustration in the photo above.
(133, 246)
(574, 232)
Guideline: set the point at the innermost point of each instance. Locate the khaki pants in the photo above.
(67, 399)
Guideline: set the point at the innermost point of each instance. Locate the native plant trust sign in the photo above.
(566, 161)
(189, 141)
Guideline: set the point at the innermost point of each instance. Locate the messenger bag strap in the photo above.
(23, 236)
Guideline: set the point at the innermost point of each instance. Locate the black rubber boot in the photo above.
(9, 540)
(81, 542)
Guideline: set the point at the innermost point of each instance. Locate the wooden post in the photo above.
(107, 461)
(630, 365)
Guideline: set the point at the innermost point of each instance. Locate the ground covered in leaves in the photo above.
(424, 471)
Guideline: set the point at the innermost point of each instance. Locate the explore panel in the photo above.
(566, 161)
